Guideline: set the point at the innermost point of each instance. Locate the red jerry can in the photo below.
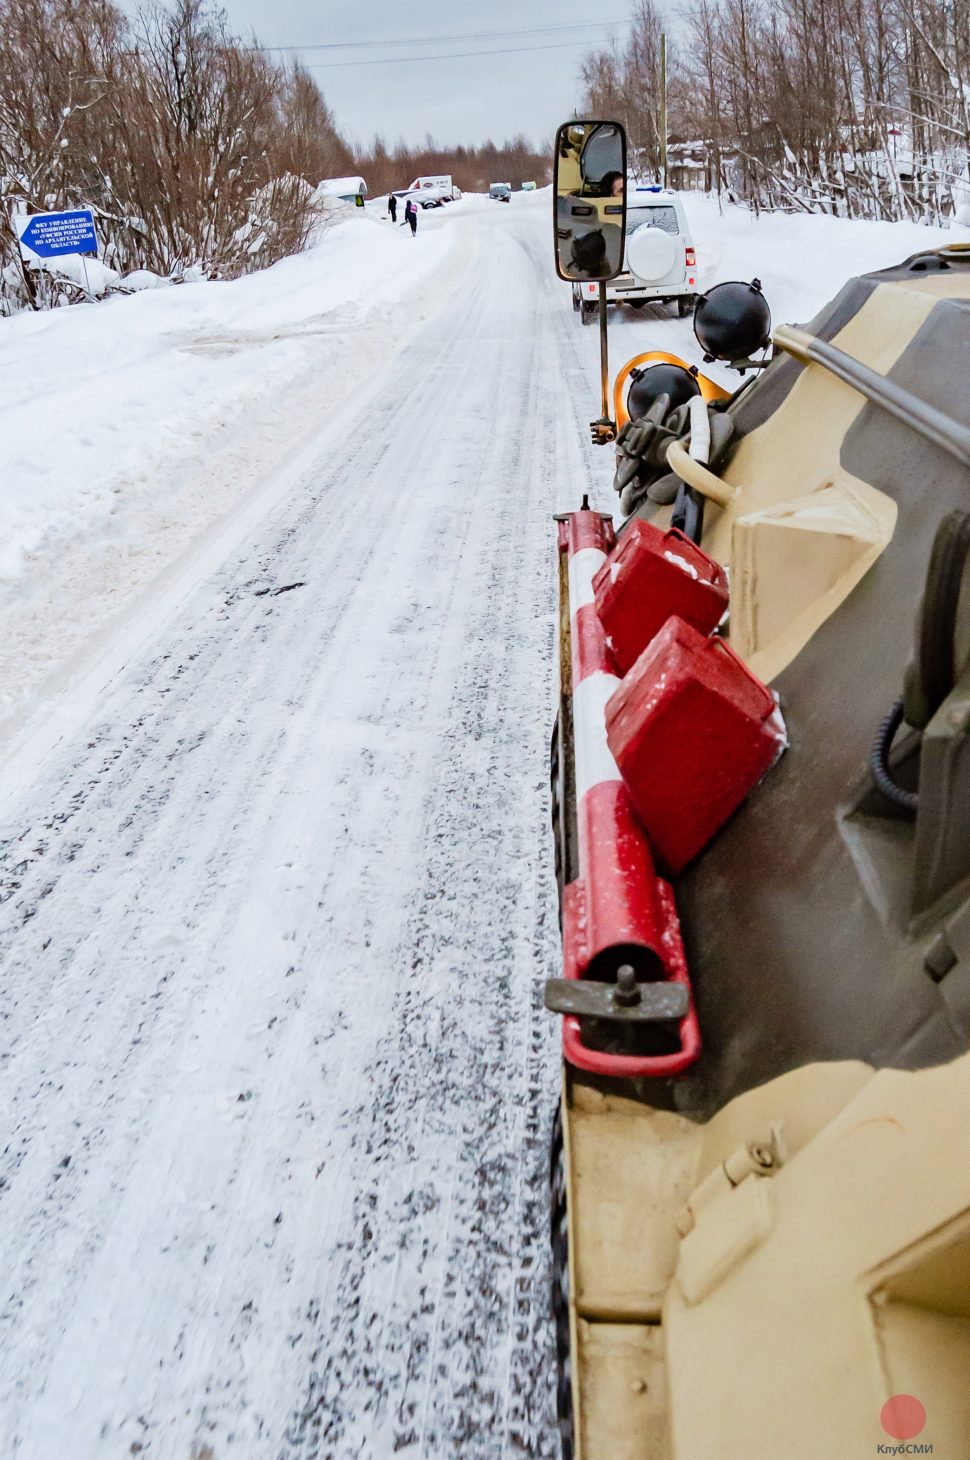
(650, 575)
(692, 731)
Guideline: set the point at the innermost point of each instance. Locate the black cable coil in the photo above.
(907, 801)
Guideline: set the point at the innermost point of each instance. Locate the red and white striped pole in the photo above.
(618, 911)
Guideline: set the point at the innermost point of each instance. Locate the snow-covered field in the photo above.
(276, 876)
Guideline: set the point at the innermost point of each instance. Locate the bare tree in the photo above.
(190, 147)
(858, 107)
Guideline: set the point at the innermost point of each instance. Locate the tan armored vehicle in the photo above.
(761, 805)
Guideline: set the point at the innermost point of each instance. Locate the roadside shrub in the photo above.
(192, 149)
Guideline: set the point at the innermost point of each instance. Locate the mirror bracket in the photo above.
(603, 431)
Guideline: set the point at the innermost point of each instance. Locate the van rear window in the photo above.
(657, 216)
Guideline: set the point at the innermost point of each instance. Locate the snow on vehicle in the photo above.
(344, 190)
(761, 799)
(500, 191)
(660, 257)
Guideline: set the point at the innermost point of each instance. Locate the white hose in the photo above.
(698, 476)
(700, 429)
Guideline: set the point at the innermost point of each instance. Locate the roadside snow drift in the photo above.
(802, 259)
(92, 396)
(127, 426)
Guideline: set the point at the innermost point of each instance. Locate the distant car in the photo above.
(502, 192)
(661, 262)
(528, 187)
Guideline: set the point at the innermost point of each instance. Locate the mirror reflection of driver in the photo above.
(608, 186)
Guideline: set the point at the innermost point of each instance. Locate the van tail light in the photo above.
(691, 262)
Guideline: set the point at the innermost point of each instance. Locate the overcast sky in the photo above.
(462, 99)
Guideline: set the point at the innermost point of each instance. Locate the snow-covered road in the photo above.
(277, 904)
(274, 1077)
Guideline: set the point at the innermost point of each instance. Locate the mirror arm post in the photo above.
(604, 430)
(604, 356)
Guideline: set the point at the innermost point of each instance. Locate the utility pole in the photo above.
(663, 107)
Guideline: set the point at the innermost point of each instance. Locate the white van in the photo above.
(431, 191)
(440, 180)
(660, 258)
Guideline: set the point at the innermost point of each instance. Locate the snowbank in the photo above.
(99, 403)
(801, 259)
(130, 430)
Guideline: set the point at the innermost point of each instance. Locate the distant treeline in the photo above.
(860, 107)
(471, 168)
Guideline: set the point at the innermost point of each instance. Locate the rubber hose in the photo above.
(688, 514)
(907, 801)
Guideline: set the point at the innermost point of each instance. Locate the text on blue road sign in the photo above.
(51, 234)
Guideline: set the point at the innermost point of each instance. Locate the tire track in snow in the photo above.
(273, 1069)
(465, 1081)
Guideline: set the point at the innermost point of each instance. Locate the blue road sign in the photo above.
(49, 235)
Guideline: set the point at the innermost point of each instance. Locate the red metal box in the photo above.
(649, 576)
(692, 731)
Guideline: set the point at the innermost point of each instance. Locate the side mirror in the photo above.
(589, 199)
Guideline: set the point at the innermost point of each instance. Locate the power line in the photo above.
(427, 40)
(448, 56)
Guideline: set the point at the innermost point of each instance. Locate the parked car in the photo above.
(343, 189)
(528, 187)
(660, 257)
(501, 192)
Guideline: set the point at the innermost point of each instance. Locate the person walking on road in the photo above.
(392, 207)
(411, 216)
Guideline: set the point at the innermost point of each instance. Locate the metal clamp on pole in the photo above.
(623, 1002)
